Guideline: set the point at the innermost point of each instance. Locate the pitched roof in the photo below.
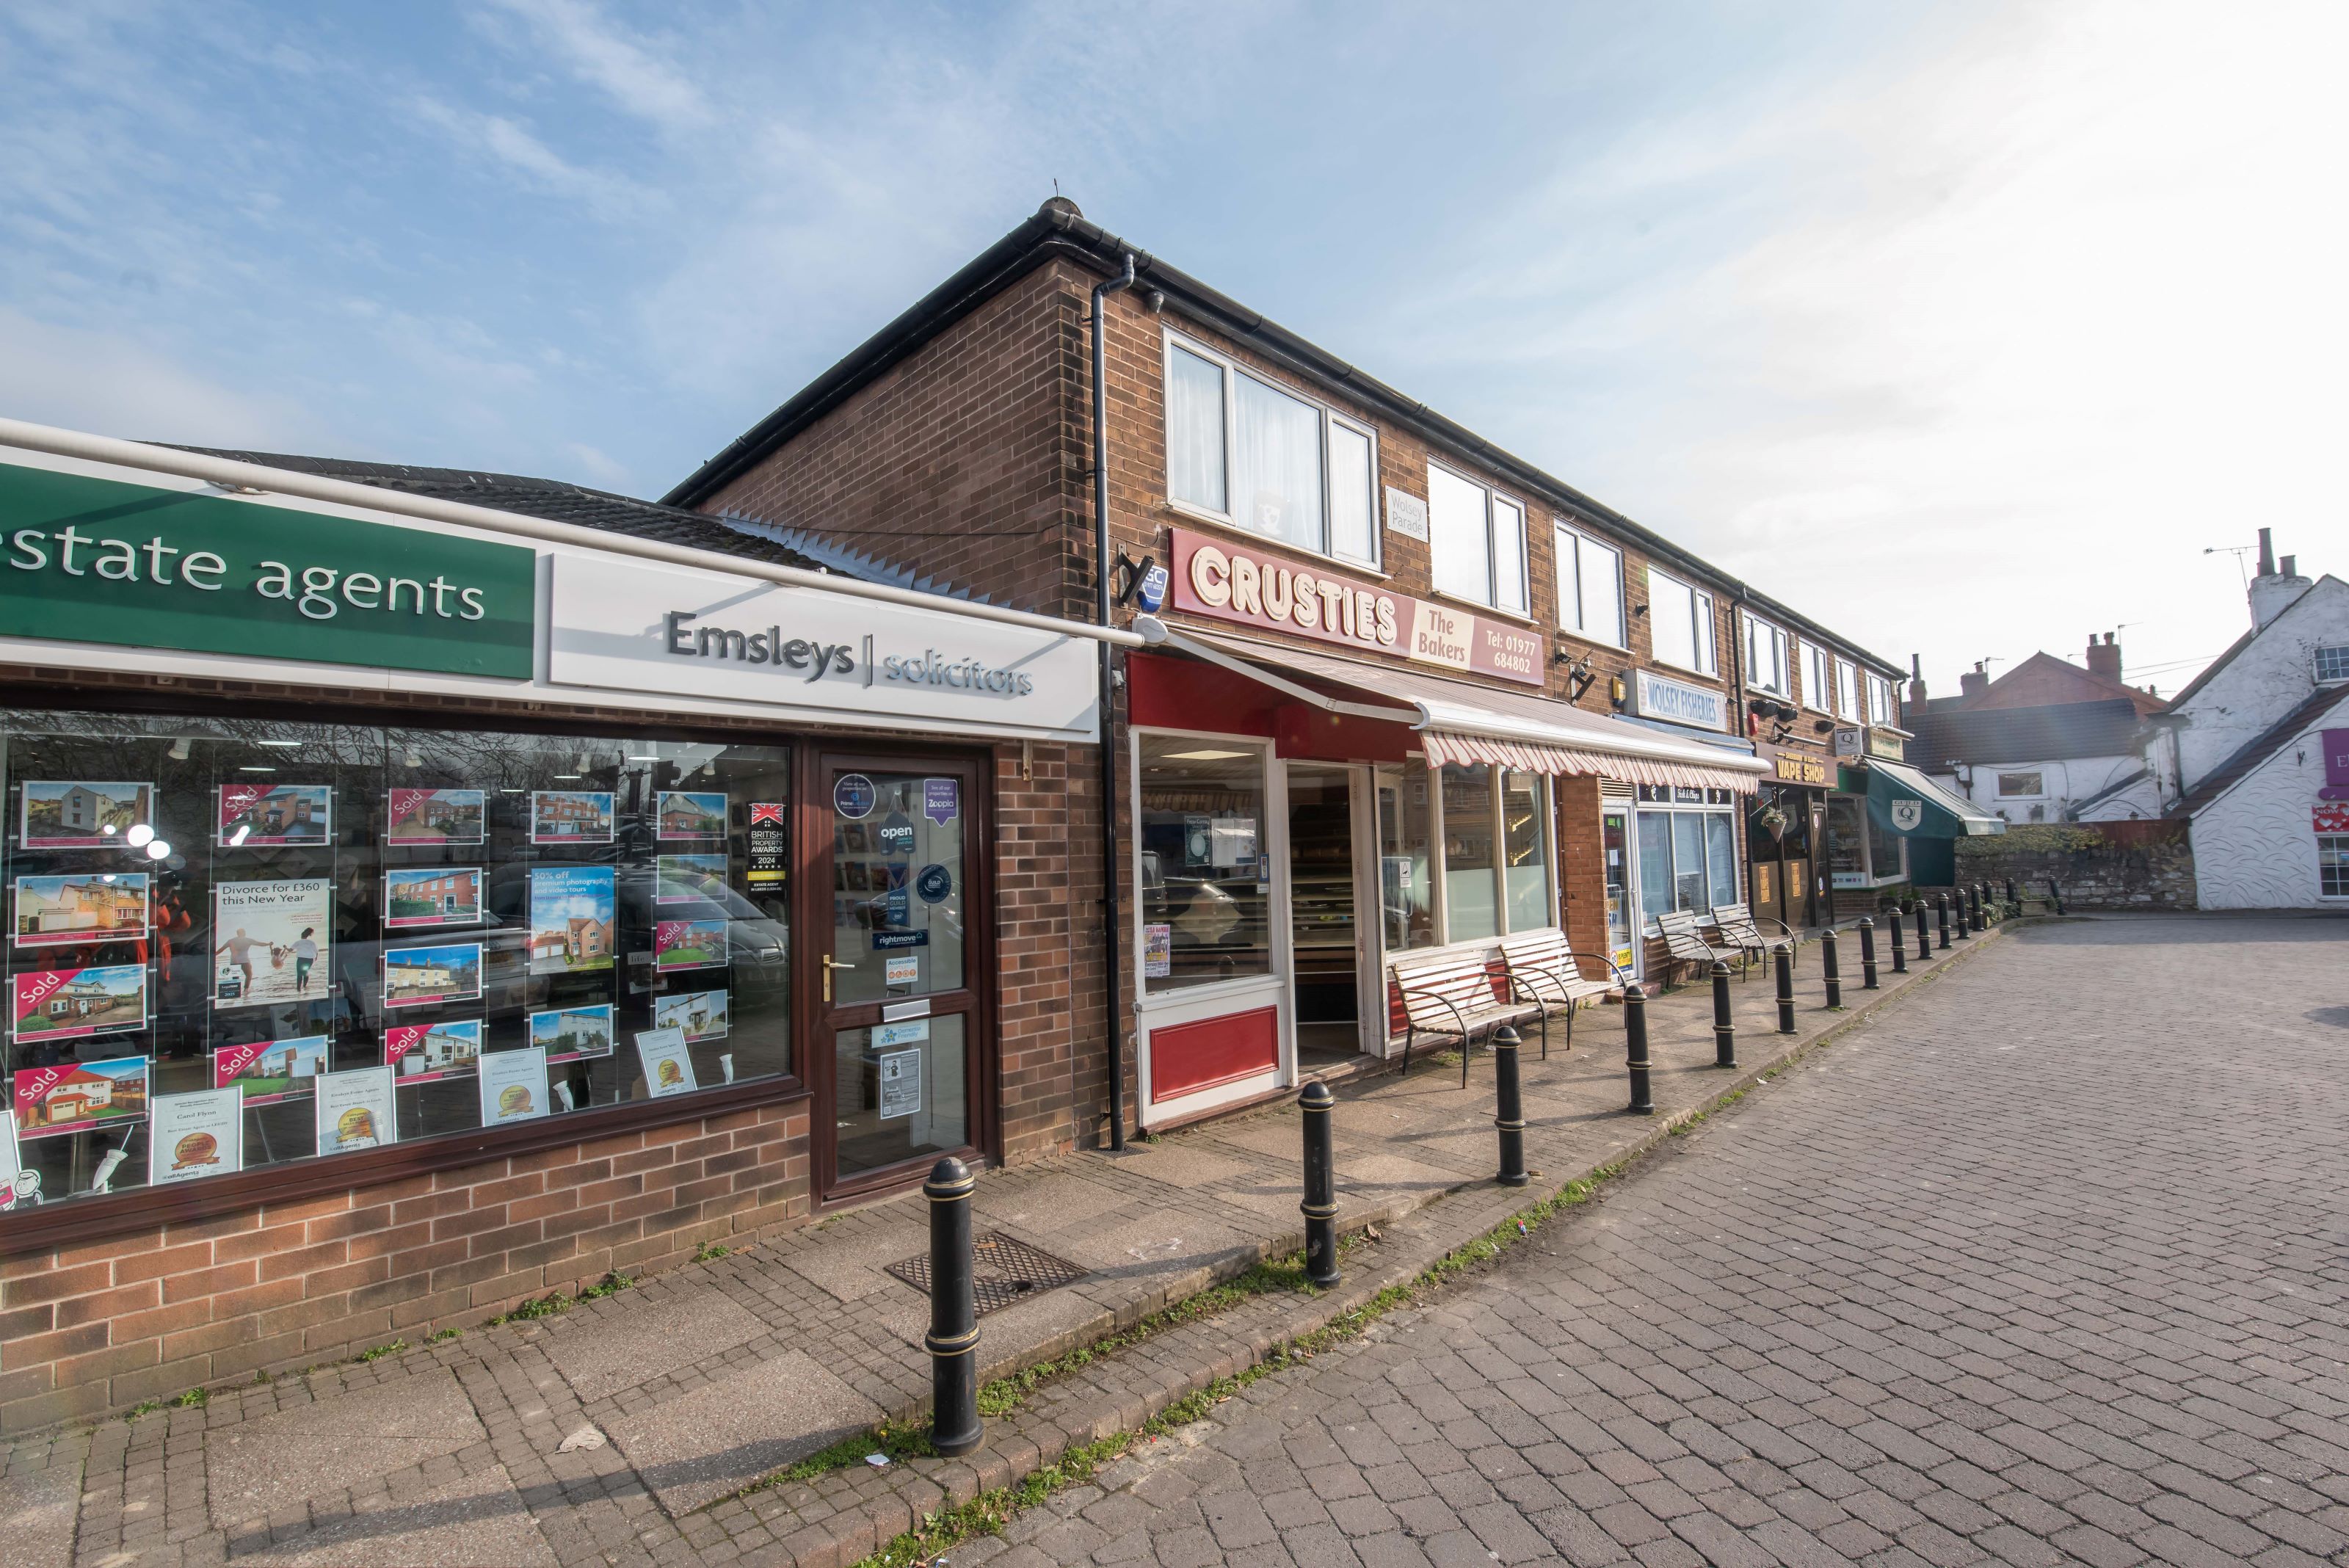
(1058, 229)
(553, 500)
(2253, 752)
(2107, 728)
(2045, 680)
(2212, 669)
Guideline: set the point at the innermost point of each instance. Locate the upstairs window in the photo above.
(1881, 710)
(1679, 620)
(1766, 664)
(1262, 459)
(1818, 684)
(1478, 539)
(1590, 588)
(2333, 663)
(2020, 784)
(1847, 689)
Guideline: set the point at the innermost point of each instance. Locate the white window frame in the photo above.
(1492, 556)
(1170, 342)
(1818, 678)
(2337, 655)
(1999, 779)
(1881, 705)
(1439, 875)
(2344, 840)
(1847, 690)
(1739, 872)
(1706, 634)
(1784, 645)
(1568, 538)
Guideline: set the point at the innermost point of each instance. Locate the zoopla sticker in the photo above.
(934, 884)
(941, 799)
(1908, 814)
(854, 796)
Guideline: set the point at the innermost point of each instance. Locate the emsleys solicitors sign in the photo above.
(98, 560)
(630, 626)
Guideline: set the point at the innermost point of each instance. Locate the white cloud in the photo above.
(625, 70)
(509, 144)
(111, 384)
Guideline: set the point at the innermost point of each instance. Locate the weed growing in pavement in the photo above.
(609, 1285)
(909, 1440)
(709, 1253)
(380, 1351)
(194, 1400)
(989, 1512)
(144, 1407)
(443, 1336)
(554, 1303)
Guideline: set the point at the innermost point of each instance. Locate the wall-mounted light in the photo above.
(1616, 692)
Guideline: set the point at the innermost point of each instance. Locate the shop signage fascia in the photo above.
(1799, 767)
(632, 626)
(1674, 701)
(1223, 579)
(1890, 744)
(128, 560)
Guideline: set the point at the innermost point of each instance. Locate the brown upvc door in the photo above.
(901, 964)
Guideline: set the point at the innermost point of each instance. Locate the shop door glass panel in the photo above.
(1324, 961)
(1406, 886)
(1524, 810)
(900, 1093)
(1615, 841)
(1655, 863)
(896, 885)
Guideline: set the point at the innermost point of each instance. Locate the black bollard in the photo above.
(1321, 1205)
(953, 1339)
(1834, 969)
(1868, 978)
(1784, 957)
(1924, 937)
(1941, 919)
(2013, 904)
(1981, 908)
(1899, 941)
(1635, 1048)
(1510, 1107)
(1725, 1026)
(2056, 895)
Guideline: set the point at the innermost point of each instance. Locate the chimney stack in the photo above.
(2104, 658)
(1974, 681)
(1917, 682)
(2273, 590)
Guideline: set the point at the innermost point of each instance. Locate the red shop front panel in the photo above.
(1186, 1058)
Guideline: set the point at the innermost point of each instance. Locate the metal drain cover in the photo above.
(1004, 1272)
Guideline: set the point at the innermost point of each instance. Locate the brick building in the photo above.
(1416, 694)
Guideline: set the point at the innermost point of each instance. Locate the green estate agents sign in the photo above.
(100, 560)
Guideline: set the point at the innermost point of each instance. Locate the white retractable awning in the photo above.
(1460, 722)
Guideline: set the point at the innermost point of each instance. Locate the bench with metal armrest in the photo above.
(1735, 925)
(1687, 944)
(1449, 994)
(1543, 969)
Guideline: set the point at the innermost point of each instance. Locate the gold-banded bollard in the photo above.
(953, 1339)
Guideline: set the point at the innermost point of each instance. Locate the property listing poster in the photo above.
(271, 941)
(426, 1053)
(572, 924)
(690, 814)
(701, 1014)
(254, 816)
(196, 1134)
(84, 906)
(416, 977)
(77, 1096)
(416, 898)
(668, 1065)
(84, 813)
(513, 1085)
(268, 1071)
(355, 1110)
(573, 1033)
(68, 1004)
(433, 817)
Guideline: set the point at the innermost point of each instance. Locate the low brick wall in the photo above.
(102, 1325)
(2098, 865)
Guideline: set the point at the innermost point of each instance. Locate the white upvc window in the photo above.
(1256, 456)
(1767, 667)
(2333, 663)
(1818, 679)
(1847, 689)
(1880, 709)
(1477, 538)
(1679, 623)
(1590, 588)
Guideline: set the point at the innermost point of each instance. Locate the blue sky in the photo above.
(1964, 327)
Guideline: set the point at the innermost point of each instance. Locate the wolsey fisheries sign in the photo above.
(85, 559)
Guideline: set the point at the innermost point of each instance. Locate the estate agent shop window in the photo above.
(1206, 879)
(244, 942)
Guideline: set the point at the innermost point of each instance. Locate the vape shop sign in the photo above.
(1228, 581)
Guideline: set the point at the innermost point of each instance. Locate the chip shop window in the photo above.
(252, 942)
(1205, 879)
(1687, 849)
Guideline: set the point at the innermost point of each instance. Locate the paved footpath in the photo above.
(2046, 1266)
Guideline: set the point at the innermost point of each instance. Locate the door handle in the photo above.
(829, 965)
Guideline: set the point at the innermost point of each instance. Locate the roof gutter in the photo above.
(230, 474)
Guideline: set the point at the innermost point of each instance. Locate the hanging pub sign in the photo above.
(1226, 581)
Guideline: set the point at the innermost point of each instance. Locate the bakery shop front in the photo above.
(430, 907)
(1328, 775)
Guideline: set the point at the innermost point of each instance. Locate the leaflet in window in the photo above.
(196, 1135)
(571, 925)
(271, 941)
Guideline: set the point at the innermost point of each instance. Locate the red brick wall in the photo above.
(104, 1325)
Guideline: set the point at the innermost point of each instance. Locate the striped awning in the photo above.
(1459, 723)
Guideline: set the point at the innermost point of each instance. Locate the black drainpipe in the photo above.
(1101, 558)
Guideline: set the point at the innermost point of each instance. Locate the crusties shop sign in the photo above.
(629, 625)
(1228, 581)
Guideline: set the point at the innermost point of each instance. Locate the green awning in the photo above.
(1904, 803)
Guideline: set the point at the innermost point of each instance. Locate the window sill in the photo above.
(1666, 664)
(1481, 607)
(1594, 641)
(1230, 525)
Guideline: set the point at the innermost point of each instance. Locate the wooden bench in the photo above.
(1687, 944)
(1544, 970)
(1739, 927)
(1451, 994)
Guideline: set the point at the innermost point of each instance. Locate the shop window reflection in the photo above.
(1206, 887)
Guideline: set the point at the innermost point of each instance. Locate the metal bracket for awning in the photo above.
(1415, 717)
